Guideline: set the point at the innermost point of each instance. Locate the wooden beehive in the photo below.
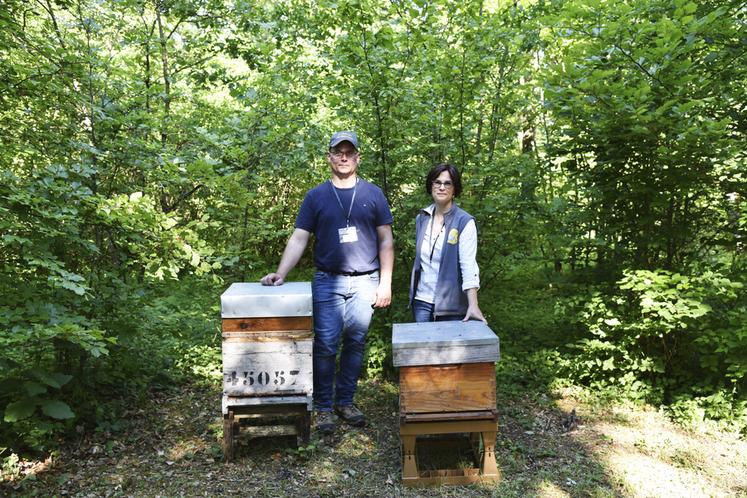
(445, 368)
(267, 340)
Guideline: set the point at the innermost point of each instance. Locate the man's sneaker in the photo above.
(325, 422)
(351, 415)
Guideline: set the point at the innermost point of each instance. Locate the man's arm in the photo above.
(291, 255)
(386, 263)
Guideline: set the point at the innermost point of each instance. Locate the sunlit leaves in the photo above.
(606, 135)
(647, 108)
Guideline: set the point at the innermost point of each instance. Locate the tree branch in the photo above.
(184, 196)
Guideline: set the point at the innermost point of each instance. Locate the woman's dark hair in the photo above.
(437, 170)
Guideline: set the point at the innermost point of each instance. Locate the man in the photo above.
(354, 256)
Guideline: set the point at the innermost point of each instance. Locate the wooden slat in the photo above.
(258, 347)
(267, 336)
(445, 355)
(269, 430)
(267, 324)
(266, 404)
(446, 427)
(450, 388)
(434, 417)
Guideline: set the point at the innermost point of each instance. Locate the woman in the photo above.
(445, 276)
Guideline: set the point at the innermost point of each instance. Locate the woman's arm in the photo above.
(470, 270)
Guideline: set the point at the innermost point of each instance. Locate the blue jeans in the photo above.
(423, 312)
(342, 310)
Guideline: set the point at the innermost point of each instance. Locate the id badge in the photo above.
(347, 235)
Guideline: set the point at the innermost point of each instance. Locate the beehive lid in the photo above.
(443, 343)
(254, 300)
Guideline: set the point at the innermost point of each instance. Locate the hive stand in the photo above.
(482, 437)
(298, 408)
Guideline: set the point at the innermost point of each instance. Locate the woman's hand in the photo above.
(474, 312)
(473, 309)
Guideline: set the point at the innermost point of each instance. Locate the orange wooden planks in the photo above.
(267, 324)
(447, 388)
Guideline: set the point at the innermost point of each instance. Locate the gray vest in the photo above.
(449, 298)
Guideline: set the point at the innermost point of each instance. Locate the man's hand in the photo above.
(383, 296)
(272, 279)
(292, 253)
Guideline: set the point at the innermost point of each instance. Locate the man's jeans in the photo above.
(423, 312)
(342, 310)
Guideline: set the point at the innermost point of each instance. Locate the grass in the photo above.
(171, 447)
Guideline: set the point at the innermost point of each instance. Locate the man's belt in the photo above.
(350, 273)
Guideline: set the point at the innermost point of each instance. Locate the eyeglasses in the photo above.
(438, 184)
(340, 153)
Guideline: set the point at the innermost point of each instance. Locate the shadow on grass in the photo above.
(536, 451)
(172, 448)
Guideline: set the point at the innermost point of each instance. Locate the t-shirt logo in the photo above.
(453, 236)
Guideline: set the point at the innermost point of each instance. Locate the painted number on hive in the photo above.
(263, 378)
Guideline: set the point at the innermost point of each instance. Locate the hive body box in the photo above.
(447, 386)
(267, 353)
(267, 339)
(445, 367)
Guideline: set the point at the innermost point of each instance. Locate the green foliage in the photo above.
(201, 362)
(305, 452)
(10, 468)
(32, 383)
(154, 152)
(646, 125)
(377, 352)
(526, 373)
(722, 406)
(658, 332)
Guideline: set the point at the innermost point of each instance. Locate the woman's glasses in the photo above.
(439, 184)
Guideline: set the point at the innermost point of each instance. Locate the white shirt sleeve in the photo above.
(468, 256)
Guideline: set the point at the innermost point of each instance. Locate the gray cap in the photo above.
(344, 136)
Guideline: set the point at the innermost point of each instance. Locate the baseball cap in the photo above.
(344, 136)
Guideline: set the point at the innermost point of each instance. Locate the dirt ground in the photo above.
(547, 446)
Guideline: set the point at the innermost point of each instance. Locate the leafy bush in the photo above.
(527, 372)
(658, 333)
(723, 406)
(9, 468)
(39, 363)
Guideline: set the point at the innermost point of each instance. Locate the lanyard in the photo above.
(352, 201)
(430, 236)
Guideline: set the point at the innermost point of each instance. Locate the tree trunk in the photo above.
(166, 75)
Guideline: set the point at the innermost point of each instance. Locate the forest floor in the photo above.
(170, 447)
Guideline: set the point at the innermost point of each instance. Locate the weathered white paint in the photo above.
(231, 401)
(267, 368)
(443, 343)
(254, 300)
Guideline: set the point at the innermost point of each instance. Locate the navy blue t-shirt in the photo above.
(322, 215)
